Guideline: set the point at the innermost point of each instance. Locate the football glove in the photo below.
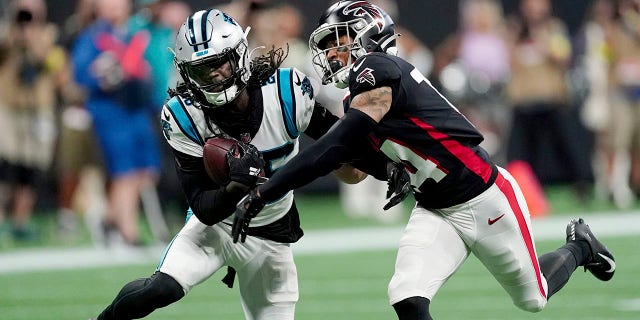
(245, 166)
(399, 184)
(247, 208)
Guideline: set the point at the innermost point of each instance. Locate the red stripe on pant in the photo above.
(505, 186)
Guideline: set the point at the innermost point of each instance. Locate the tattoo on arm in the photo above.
(375, 103)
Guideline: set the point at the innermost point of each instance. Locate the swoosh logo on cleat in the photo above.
(492, 221)
(610, 261)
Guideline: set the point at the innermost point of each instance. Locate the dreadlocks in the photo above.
(262, 67)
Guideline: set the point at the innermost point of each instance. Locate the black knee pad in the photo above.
(140, 297)
(414, 308)
(164, 289)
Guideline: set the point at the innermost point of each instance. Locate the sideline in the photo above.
(607, 224)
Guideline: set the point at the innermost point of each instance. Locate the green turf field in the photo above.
(332, 286)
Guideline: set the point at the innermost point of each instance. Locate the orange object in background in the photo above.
(530, 186)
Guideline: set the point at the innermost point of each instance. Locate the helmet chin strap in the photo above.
(341, 78)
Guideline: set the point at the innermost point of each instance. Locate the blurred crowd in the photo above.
(79, 103)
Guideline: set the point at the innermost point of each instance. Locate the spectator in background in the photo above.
(109, 62)
(31, 69)
(272, 25)
(624, 72)
(76, 150)
(247, 13)
(148, 18)
(280, 26)
(171, 14)
(603, 111)
(473, 66)
(539, 95)
(161, 37)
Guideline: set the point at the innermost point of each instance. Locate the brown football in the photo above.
(214, 155)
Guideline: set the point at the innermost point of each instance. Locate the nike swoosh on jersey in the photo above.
(297, 81)
(356, 67)
(492, 221)
(610, 261)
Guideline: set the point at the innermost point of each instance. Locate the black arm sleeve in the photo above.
(371, 161)
(209, 202)
(366, 158)
(321, 122)
(319, 159)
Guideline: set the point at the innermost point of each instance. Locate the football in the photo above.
(214, 155)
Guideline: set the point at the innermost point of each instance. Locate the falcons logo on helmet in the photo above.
(362, 8)
(366, 75)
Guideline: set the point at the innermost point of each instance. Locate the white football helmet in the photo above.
(207, 40)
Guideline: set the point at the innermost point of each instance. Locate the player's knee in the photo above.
(533, 305)
(164, 288)
(413, 308)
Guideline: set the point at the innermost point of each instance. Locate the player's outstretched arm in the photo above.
(325, 155)
(334, 148)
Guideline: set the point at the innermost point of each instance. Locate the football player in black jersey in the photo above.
(465, 203)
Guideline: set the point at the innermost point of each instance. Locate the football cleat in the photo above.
(600, 261)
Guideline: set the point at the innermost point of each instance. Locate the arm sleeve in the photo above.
(321, 122)
(324, 156)
(371, 161)
(209, 202)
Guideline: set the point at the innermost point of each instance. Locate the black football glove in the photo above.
(245, 166)
(399, 184)
(247, 208)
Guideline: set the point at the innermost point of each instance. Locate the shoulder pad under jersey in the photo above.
(372, 71)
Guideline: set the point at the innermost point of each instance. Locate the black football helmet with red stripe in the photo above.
(369, 27)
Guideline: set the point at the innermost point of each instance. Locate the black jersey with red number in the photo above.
(438, 145)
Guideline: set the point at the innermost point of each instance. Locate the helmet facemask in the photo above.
(202, 81)
(334, 71)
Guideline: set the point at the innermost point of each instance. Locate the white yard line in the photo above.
(315, 241)
(628, 305)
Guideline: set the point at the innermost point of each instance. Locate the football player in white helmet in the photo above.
(265, 107)
(465, 203)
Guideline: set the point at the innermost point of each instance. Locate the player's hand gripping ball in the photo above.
(214, 156)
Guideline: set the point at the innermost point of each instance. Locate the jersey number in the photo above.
(420, 167)
(276, 158)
